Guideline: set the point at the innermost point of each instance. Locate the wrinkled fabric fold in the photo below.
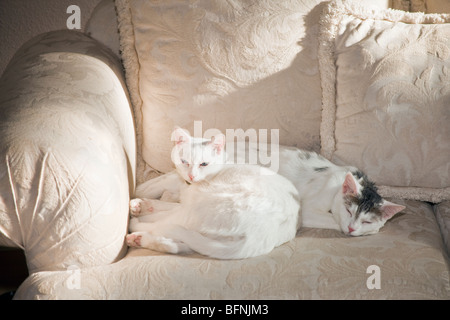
(68, 144)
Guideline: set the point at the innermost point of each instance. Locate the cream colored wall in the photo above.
(21, 20)
(438, 6)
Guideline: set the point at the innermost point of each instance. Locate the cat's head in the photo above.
(197, 158)
(362, 211)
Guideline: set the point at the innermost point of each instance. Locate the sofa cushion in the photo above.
(404, 261)
(385, 77)
(231, 65)
(67, 153)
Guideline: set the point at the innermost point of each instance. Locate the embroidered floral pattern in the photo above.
(389, 112)
(231, 65)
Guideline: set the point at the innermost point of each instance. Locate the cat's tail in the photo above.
(219, 249)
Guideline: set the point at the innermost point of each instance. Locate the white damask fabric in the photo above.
(67, 150)
(67, 153)
(386, 91)
(317, 264)
(231, 65)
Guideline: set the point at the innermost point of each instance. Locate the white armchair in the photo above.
(70, 157)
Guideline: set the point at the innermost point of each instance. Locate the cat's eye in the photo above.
(366, 222)
(184, 162)
(204, 164)
(349, 212)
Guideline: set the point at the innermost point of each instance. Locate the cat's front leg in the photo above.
(141, 207)
(157, 243)
(133, 239)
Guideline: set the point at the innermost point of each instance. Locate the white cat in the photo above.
(331, 196)
(228, 212)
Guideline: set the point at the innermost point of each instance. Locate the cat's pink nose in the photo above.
(350, 229)
(191, 176)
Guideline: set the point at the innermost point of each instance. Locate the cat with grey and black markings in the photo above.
(335, 197)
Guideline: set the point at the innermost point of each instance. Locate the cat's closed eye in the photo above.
(204, 164)
(184, 162)
(349, 212)
(367, 222)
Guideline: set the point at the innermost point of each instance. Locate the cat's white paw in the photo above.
(133, 240)
(139, 207)
(135, 207)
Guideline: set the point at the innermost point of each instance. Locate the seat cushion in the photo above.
(404, 261)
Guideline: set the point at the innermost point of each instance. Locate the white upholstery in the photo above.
(67, 153)
(317, 264)
(68, 150)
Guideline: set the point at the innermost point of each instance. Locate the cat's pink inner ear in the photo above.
(180, 136)
(349, 187)
(218, 142)
(389, 209)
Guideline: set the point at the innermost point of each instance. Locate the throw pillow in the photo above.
(386, 94)
(231, 65)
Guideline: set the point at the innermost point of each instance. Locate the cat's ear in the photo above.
(389, 209)
(218, 142)
(180, 136)
(350, 186)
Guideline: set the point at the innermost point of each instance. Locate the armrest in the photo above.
(67, 153)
